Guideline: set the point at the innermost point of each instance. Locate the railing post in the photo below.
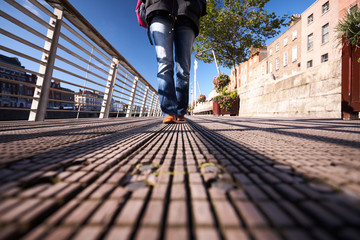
(157, 108)
(132, 98)
(151, 105)
(153, 113)
(43, 83)
(143, 102)
(106, 104)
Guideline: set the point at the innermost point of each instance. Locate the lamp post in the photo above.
(209, 49)
(196, 67)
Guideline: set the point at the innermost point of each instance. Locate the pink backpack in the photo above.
(141, 13)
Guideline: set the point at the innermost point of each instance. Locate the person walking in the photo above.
(174, 24)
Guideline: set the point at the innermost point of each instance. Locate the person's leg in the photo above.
(184, 39)
(163, 42)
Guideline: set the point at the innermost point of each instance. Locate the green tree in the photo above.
(232, 27)
(349, 28)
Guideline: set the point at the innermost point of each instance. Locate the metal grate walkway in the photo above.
(206, 178)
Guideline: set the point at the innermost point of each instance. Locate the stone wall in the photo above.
(315, 92)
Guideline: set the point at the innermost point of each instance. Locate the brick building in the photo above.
(247, 71)
(309, 41)
(346, 6)
(11, 88)
(284, 54)
(319, 42)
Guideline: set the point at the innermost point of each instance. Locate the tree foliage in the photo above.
(349, 28)
(232, 27)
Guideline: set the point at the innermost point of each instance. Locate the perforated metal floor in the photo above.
(205, 178)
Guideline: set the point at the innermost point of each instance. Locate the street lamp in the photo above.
(206, 50)
(196, 66)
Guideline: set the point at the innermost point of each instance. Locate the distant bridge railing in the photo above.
(75, 73)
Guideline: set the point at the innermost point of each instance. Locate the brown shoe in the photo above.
(169, 119)
(181, 118)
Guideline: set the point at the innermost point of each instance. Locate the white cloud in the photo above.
(29, 6)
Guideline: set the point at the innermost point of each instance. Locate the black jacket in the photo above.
(192, 9)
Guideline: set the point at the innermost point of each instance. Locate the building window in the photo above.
(285, 59)
(324, 58)
(310, 18)
(310, 42)
(325, 33)
(255, 60)
(294, 54)
(325, 7)
(270, 51)
(285, 41)
(277, 64)
(270, 67)
(294, 35)
(277, 47)
(309, 64)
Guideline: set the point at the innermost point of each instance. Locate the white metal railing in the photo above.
(76, 72)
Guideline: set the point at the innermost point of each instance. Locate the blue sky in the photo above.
(116, 21)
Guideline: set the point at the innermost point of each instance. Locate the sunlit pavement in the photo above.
(205, 178)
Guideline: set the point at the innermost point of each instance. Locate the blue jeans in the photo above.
(174, 98)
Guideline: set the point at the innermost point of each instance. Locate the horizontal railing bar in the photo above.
(24, 26)
(21, 40)
(16, 96)
(20, 69)
(81, 58)
(29, 14)
(126, 71)
(81, 68)
(139, 99)
(75, 44)
(62, 110)
(75, 75)
(91, 104)
(122, 89)
(21, 55)
(78, 46)
(122, 93)
(15, 109)
(75, 85)
(125, 77)
(78, 76)
(60, 101)
(62, 91)
(77, 20)
(141, 88)
(122, 97)
(42, 8)
(70, 29)
(17, 82)
(124, 84)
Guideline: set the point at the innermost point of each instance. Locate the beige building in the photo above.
(284, 54)
(320, 42)
(309, 41)
(248, 71)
